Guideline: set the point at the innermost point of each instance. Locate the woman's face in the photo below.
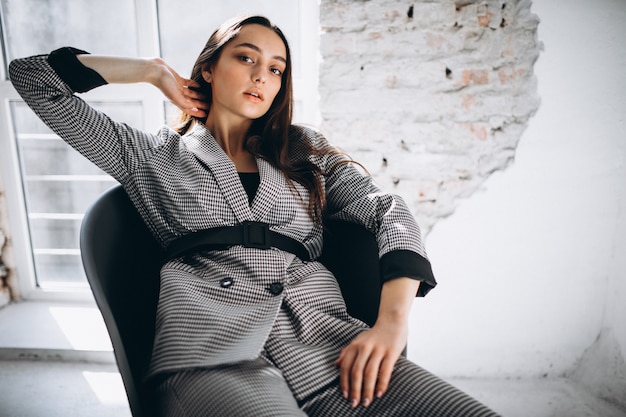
(248, 74)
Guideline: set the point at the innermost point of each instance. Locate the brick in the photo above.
(433, 100)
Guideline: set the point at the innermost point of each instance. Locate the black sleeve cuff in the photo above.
(404, 263)
(77, 76)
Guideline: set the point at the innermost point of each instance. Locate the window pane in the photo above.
(59, 185)
(106, 27)
(57, 268)
(183, 35)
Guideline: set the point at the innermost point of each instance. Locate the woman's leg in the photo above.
(253, 388)
(412, 392)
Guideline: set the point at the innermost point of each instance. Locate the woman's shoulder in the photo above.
(167, 132)
(310, 142)
(309, 134)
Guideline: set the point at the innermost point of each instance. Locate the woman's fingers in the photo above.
(192, 92)
(182, 92)
(194, 111)
(358, 373)
(366, 365)
(384, 376)
(191, 101)
(371, 377)
(346, 358)
(191, 83)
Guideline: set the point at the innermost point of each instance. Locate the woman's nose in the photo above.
(258, 76)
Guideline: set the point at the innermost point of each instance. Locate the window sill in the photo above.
(54, 330)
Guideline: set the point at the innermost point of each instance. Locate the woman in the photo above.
(246, 329)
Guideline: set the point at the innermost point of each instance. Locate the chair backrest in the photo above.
(351, 253)
(122, 261)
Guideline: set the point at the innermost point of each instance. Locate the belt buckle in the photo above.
(256, 235)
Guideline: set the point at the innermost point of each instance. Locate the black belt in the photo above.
(248, 234)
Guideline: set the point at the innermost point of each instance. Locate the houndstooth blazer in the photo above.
(220, 307)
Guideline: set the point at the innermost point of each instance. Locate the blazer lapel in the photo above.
(203, 145)
(273, 184)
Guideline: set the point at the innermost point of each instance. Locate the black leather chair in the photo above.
(122, 262)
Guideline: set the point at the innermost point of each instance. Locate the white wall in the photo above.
(532, 267)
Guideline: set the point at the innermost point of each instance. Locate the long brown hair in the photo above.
(268, 136)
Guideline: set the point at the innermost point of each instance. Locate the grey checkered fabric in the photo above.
(413, 392)
(182, 184)
(256, 388)
(250, 388)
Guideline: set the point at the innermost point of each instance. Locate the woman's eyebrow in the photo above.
(256, 48)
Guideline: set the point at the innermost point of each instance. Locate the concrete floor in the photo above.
(73, 373)
(51, 389)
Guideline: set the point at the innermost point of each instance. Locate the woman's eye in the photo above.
(245, 58)
(276, 71)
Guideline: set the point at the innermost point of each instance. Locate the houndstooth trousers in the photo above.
(258, 388)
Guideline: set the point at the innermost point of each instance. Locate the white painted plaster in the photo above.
(533, 267)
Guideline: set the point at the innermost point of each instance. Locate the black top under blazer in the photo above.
(219, 307)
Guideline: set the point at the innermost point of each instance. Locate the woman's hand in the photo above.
(366, 364)
(182, 92)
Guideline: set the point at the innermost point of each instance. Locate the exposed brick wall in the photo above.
(431, 96)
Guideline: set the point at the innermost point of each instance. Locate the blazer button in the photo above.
(276, 288)
(226, 282)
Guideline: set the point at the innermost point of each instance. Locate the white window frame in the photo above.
(305, 92)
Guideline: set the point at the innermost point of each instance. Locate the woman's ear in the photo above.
(207, 75)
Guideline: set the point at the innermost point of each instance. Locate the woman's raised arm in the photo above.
(48, 84)
(180, 91)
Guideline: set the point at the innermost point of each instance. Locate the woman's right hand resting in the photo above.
(180, 91)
